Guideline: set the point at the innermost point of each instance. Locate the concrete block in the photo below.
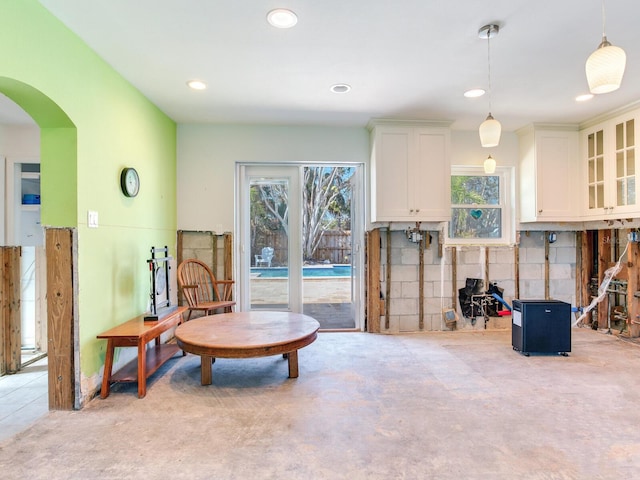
(410, 289)
(560, 271)
(436, 273)
(404, 306)
(531, 240)
(395, 291)
(532, 255)
(565, 239)
(561, 288)
(499, 272)
(471, 256)
(501, 255)
(531, 271)
(470, 271)
(532, 290)
(562, 255)
(404, 273)
(409, 256)
(428, 288)
(408, 323)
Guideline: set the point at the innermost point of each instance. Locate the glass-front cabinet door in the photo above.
(610, 160)
(595, 162)
(625, 163)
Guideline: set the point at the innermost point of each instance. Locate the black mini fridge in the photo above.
(541, 326)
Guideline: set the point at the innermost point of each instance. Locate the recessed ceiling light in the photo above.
(340, 88)
(584, 97)
(282, 18)
(197, 84)
(474, 93)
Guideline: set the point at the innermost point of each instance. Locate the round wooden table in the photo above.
(246, 335)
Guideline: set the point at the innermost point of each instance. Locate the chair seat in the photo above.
(214, 305)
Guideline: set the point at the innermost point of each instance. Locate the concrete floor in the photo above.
(422, 406)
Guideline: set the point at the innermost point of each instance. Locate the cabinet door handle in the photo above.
(539, 211)
(411, 210)
(417, 210)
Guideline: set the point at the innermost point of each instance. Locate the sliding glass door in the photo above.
(300, 241)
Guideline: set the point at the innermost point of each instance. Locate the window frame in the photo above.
(506, 204)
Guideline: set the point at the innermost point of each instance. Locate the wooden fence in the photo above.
(334, 247)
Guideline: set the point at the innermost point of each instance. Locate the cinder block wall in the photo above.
(470, 263)
(207, 247)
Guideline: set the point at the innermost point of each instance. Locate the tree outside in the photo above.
(475, 209)
(326, 200)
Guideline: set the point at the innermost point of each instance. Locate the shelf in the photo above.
(29, 207)
(31, 175)
(156, 357)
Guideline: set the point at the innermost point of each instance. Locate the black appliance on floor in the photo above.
(541, 326)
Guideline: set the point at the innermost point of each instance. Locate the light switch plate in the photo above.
(92, 219)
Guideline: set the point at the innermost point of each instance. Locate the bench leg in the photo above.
(293, 364)
(142, 369)
(206, 375)
(108, 366)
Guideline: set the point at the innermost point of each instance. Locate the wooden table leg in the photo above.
(293, 364)
(142, 369)
(206, 376)
(108, 366)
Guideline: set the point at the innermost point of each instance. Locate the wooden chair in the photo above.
(201, 290)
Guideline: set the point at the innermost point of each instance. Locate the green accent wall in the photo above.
(93, 123)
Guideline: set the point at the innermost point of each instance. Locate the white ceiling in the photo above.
(404, 59)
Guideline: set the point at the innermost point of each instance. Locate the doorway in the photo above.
(300, 230)
(23, 228)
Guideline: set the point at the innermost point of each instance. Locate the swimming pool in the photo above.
(312, 271)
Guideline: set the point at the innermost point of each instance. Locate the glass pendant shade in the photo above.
(489, 165)
(605, 68)
(490, 131)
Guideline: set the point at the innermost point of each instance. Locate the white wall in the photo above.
(466, 149)
(207, 156)
(16, 143)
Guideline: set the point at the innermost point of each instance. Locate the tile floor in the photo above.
(24, 398)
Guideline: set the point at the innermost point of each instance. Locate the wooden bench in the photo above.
(138, 333)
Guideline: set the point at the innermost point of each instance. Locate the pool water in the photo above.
(319, 271)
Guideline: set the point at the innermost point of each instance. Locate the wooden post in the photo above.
(486, 268)
(228, 256)
(10, 298)
(179, 258)
(516, 271)
(387, 300)
(633, 282)
(421, 246)
(546, 265)
(60, 306)
(214, 253)
(604, 259)
(373, 280)
(587, 272)
(579, 268)
(454, 276)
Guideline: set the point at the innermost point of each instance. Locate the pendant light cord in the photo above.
(489, 64)
(604, 34)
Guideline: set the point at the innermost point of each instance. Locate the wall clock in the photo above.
(129, 182)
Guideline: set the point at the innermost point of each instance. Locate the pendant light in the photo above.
(605, 66)
(489, 165)
(490, 129)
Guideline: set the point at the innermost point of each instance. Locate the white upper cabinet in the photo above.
(549, 167)
(410, 172)
(609, 168)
